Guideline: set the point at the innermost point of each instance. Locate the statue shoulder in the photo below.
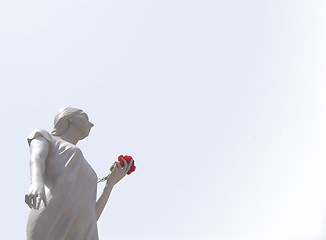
(39, 133)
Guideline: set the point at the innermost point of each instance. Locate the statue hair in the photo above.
(61, 119)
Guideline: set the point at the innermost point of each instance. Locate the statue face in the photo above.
(82, 124)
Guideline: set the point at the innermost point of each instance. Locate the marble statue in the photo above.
(62, 194)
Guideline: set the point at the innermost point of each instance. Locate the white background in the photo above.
(221, 104)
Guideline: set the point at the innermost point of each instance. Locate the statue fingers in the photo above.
(28, 200)
(45, 201)
(34, 201)
(130, 164)
(38, 202)
(125, 164)
(117, 164)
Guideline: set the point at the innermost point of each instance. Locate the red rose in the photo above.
(128, 159)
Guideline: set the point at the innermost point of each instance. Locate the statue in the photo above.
(62, 194)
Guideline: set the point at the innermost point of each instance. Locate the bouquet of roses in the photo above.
(120, 159)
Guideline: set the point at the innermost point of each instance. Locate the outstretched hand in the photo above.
(35, 195)
(119, 172)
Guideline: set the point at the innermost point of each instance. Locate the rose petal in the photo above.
(128, 158)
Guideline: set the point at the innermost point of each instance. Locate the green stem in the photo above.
(106, 178)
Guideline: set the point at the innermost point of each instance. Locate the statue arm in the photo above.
(39, 148)
(114, 177)
(101, 202)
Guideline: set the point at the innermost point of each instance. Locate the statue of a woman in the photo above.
(62, 194)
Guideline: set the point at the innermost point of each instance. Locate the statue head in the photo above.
(61, 119)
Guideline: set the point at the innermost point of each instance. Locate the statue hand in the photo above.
(35, 195)
(119, 172)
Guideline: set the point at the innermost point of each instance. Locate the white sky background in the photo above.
(221, 104)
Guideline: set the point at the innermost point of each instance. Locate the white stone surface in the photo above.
(62, 194)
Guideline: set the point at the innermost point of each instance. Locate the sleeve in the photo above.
(39, 132)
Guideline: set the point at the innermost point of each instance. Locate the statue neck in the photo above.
(71, 135)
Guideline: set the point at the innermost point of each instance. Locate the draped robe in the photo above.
(70, 187)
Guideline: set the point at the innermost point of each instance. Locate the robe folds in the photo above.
(70, 188)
